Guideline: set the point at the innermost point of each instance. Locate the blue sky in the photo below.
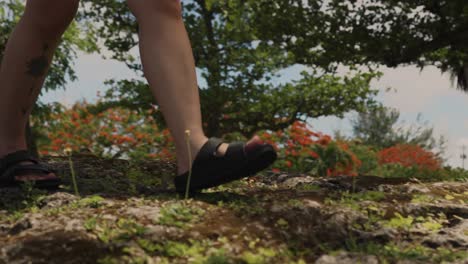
(413, 91)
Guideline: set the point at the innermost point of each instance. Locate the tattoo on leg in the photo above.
(37, 67)
(31, 90)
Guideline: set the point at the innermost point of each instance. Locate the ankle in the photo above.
(7, 147)
(182, 151)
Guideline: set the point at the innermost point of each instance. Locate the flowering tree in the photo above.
(409, 156)
(303, 150)
(116, 132)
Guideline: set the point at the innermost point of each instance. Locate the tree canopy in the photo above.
(240, 69)
(379, 127)
(383, 32)
(242, 46)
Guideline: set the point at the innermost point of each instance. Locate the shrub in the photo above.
(368, 157)
(409, 156)
(335, 159)
(115, 132)
(305, 151)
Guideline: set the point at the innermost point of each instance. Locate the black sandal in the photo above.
(210, 170)
(11, 167)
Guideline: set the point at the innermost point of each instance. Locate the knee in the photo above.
(51, 17)
(150, 8)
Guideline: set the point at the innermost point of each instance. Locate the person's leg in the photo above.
(25, 63)
(169, 67)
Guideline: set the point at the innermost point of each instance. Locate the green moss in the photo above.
(90, 224)
(179, 214)
(94, 201)
(295, 203)
(422, 198)
(141, 178)
(400, 222)
(250, 207)
(393, 252)
(110, 232)
(259, 256)
(282, 223)
(352, 200)
(308, 187)
(219, 257)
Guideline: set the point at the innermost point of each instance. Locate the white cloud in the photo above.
(416, 89)
(462, 142)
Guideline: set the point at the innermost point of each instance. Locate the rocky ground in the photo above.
(127, 213)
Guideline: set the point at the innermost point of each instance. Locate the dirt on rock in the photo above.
(128, 213)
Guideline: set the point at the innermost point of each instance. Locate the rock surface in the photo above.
(272, 218)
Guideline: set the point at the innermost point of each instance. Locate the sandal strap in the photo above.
(235, 153)
(8, 176)
(16, 157)
(207, 162)
(208, 150)
(10, 166)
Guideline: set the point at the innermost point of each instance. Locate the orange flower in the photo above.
(55, 148)
(325, 140)
(75, 116)
(409, 155)
(313, 154)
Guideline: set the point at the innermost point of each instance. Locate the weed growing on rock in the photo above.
(179, 214)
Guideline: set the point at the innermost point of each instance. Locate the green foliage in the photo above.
(331, 156)
(177, 249)
(90, 224)
(263, 255)
(94, 201)
(454, 174)
(352, 200)
(114, 133)
(218, 258)
(399, 171)
(250, 208)
(179, 215)
(387, 32)
(392, 252)
(368, 157)
(378, 127)
(401, 222)
(239, 69)
(109, 232)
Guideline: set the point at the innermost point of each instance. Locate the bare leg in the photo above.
(23, 70)
(170, 69)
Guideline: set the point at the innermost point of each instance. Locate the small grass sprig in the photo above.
(187, 140)
(68, 152)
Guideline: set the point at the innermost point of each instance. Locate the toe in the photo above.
(253, 143)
